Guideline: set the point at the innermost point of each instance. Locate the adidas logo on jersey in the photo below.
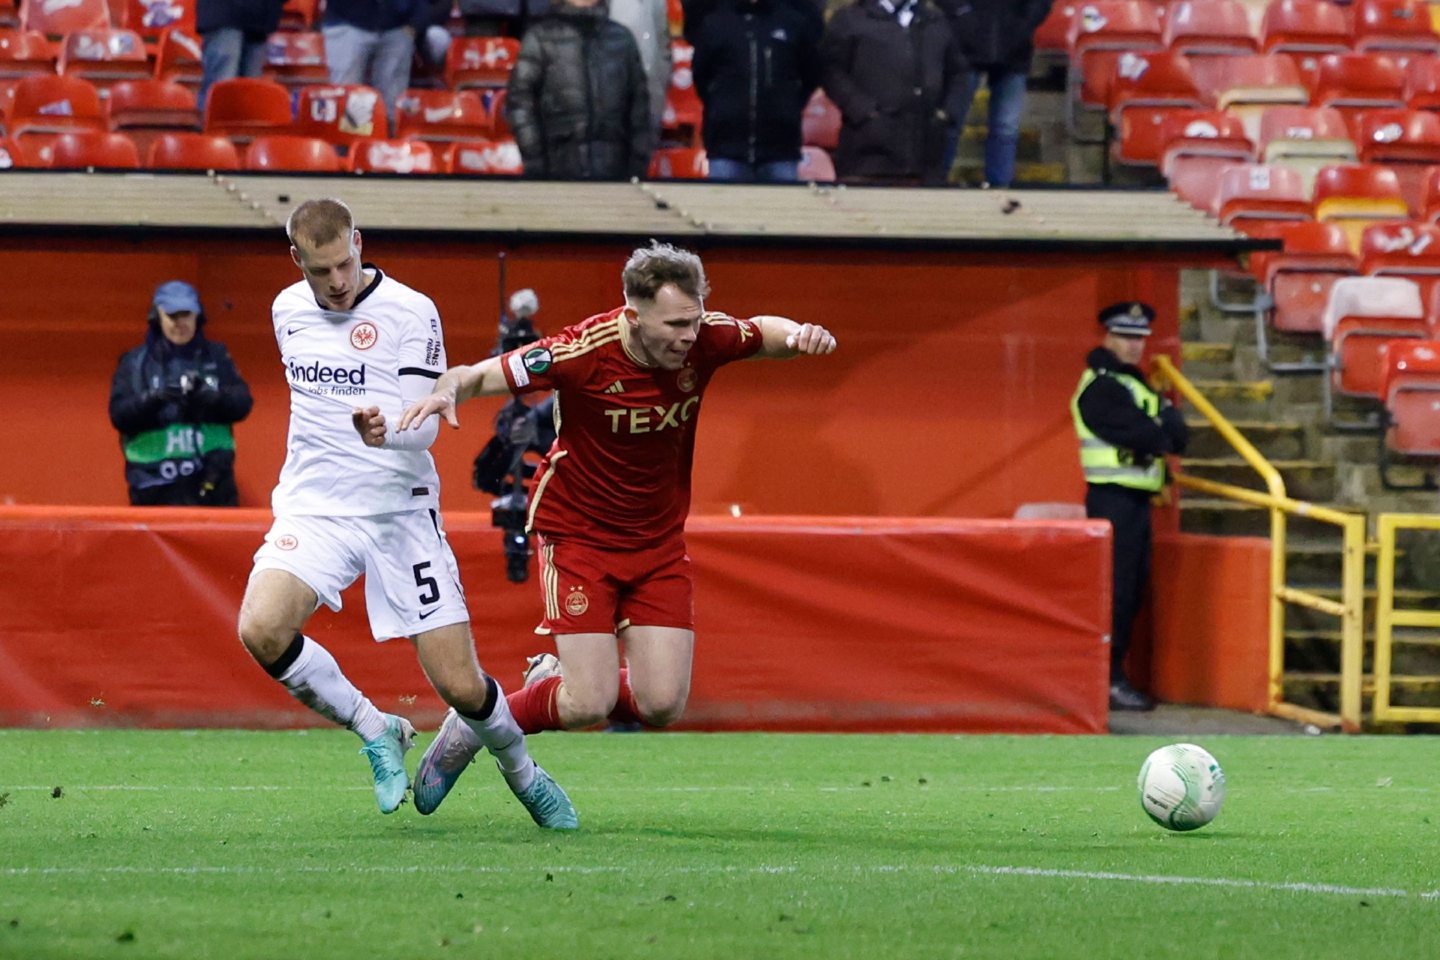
(616, 387)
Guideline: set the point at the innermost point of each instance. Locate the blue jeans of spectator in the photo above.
(376, 59)
(228, 53)
(739, 171)
(1007, 103)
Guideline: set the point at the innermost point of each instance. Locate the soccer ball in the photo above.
(1181, 787)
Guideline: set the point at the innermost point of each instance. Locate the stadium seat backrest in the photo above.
(497, 157)
(679, 163)
(816, 165)
(52, 103)
(820, 123)
(1248, 85)
(1410, 390)
(1344, 190)
(150, 18)
(192, 151)
(392, 156)
(286, 152)
(247, 106)
(1304, 28)
(1099, 32)
(441, 116)
(1422, 83)
(104, 56)
(1145, 88)
(1363, 313)
(296, 58)
(1353, 82)
(80, 149)
(1398, 27)
(1255, 196)
(1299, 277)
(12, 156)
(1195, 146)
(55, 18)
(1052, 34)
(23, 52)
(299, 14)
(1390, 135)
(341, 113)
(480, 61)
(152, 103)
(179, 57)
(1208, 27)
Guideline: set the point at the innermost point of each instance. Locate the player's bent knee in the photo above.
(661, 711)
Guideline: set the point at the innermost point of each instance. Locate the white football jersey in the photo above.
(338, 361)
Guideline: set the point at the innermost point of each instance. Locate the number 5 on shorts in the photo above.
(430, 590)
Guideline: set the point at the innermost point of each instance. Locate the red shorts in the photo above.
(590, 590)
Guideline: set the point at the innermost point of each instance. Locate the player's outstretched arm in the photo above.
(782, 337)
(483, 379)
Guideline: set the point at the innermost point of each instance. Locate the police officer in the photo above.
(173, 399)
(1125, 431)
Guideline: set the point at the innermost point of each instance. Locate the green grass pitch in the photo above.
(227, 844)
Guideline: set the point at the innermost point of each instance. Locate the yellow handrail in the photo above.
(1350, 609)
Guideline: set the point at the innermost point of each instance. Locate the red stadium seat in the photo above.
(10, 14)
(1304, 30)
(480, 61)
(341, 113)
(1397, 28)
(684, 112)
(193, 151)
(296, 58)
(1362, 314)
(1305, 139)
(12, 156)
(499, 157)
(286, 153)
(1100, 32)
(104, 56)
(1146, 87)
(150, 18)
(179, 58)
(299, 14)
(392, 156)
(1355, 82)
(820, 123)
(816, 166)
(494, 103)
(1196, 145)
(1430, 196)
(144, 109)
(78, 150)
(55, 18)
(1299, 277)
(1406, 249)
(48, 105)
(1247, 86)
(1052, 35)
(1200, 28)
(1356, 195)
(1256, 198)
(1422, 83)
(1408, 142)
(25, 52)
(1410, 390)
(442, 116)
(679, 163)
(245, 107)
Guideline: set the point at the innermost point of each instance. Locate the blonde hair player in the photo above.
(356, 343)
(611, 497)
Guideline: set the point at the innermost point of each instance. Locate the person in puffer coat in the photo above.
(577, 100)
(896, 72)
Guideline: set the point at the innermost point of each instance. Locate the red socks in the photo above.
(537, 707)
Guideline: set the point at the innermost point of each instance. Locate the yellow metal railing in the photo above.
(1349, 609)
(1387, 618)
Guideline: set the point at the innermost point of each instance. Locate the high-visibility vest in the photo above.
(1103, 462)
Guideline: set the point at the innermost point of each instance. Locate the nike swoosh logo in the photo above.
(427, 613)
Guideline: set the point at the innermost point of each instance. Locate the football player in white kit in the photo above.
(358, 345)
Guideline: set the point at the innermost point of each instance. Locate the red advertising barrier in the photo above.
(119, 616)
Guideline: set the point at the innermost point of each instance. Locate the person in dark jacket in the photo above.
(998, 41)
(896, 73)
(372, 42)
(233, 33)
(1125, 428)
(577, 100)
(756, 64)
(173, 399)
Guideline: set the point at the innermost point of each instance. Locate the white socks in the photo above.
(316, 681)
(502, 736)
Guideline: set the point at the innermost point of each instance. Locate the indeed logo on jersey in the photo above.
(652, 419)
(320, 377)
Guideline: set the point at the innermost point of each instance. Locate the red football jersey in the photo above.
(618, 476)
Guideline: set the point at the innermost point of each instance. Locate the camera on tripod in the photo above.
(501, 468)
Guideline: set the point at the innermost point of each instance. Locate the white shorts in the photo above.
(412, 583)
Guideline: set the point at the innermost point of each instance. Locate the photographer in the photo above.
(173, 400)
